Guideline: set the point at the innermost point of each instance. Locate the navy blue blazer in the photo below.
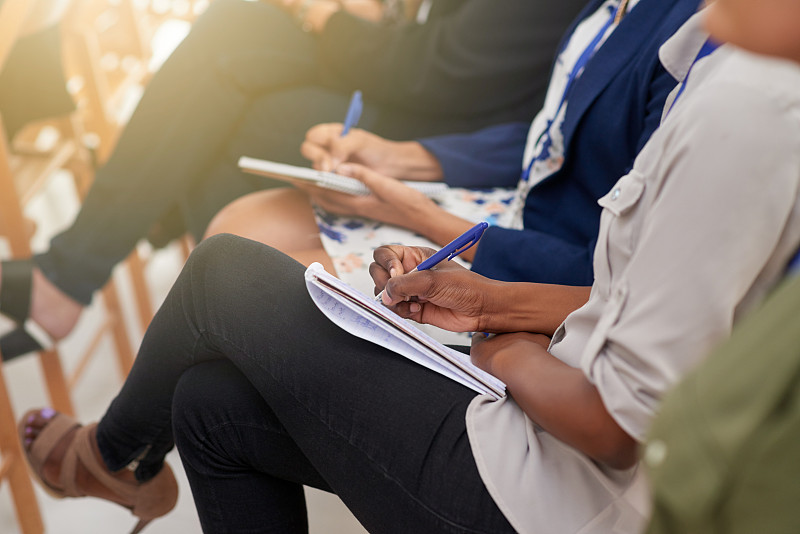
(614, 107)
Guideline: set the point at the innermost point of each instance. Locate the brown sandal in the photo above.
(150, 500)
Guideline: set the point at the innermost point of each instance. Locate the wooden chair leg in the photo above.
(141, 291)
(119, 332)
(14, 468)
(56, 380)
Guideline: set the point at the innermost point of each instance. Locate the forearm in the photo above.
(529, 307)
(562, 401)
(409, 160)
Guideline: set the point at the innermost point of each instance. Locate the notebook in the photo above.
(360, 315)
(329, 180)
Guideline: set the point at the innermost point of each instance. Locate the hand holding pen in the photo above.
(458, 245)
(450, 296)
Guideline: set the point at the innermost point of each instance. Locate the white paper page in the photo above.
(393, 332)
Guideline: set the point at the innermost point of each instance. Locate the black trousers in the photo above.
(265, 394)
(245, 81)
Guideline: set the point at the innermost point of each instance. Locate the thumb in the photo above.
(345, 149)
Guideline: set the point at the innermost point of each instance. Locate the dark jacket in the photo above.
(471, 57)
(614, 108)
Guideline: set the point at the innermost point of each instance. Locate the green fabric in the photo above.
(724, 453)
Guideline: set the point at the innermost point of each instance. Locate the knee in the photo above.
(212, 403)
(232, 266)
(200, 399)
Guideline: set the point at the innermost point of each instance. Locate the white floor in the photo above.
(54, 209)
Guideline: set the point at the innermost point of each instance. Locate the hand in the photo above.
(409, 160)
(494, 354)
(448, 295)
(390, 201)
(327, 149)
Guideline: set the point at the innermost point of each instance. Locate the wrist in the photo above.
(413, 162)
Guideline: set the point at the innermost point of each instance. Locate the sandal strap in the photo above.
(82, 449)
(30, 337)
(15, 289)
(52, 433)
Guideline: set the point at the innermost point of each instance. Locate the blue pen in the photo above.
(353, 112)
(455, 247)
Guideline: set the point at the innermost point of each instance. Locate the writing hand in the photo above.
(448, 295)
(327, 149)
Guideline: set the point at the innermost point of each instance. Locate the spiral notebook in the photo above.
(363, 317)
(329, 180)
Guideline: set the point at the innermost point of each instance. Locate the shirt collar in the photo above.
(678, 52)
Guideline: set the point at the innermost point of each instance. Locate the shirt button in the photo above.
(615, 193)
(655, 453)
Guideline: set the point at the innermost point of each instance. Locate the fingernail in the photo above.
(344, 169)
(414, 307)
(30, 419)
(392, 272)
(47, 413)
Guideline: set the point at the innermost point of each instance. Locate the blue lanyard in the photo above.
(545, 137)
(708, 47)
(794, 265)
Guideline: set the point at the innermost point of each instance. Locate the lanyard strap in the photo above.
(708, 47)
(794, 265)
(545, 137)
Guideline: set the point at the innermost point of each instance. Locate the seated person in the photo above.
(722, 454)
(248, 79)
(690, 240)
(32, 79)
(605, 98)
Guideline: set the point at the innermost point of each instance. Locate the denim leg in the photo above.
(387, 435)
(237, 455)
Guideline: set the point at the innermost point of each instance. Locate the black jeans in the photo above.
(193, 106)
(268, 394)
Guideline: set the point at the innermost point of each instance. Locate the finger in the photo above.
(420, 284)
(408, 310)
(320, 157)
(323, 134)
(389, 258)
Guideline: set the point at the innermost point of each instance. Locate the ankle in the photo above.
(124, 474)
(51, 308)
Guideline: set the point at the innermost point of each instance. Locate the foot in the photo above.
(51, 470)
(51, 308)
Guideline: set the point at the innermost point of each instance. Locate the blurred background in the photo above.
(108, 49)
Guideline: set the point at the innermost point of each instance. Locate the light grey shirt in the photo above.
(690, 240)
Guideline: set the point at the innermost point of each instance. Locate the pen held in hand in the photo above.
(353, 112)
(458, 245)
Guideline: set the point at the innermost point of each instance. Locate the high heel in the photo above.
(15, 302)
(146, 500)
(140, 526)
